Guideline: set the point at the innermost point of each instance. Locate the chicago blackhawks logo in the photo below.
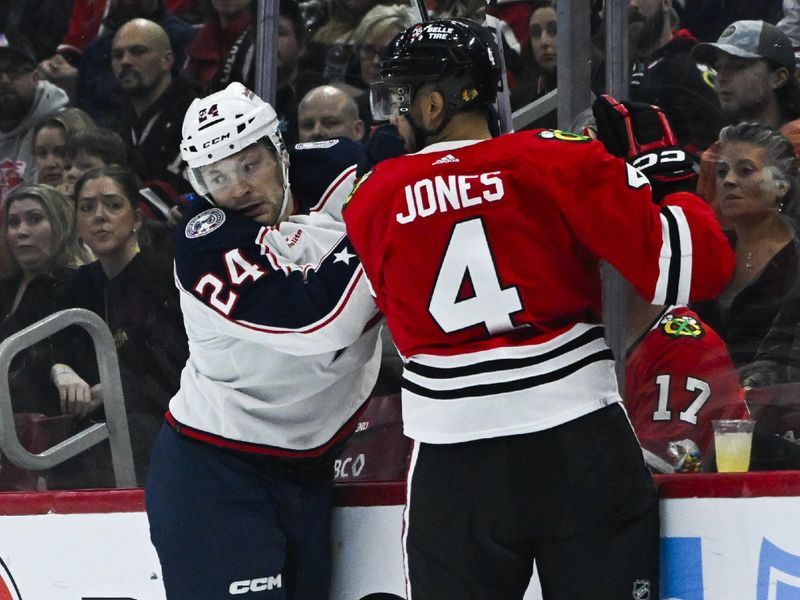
(564, 136)
(204, 223)
(677, 326)
(357, 185)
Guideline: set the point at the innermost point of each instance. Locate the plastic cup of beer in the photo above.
(733, 439)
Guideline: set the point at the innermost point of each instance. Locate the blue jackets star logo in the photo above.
(343, 256)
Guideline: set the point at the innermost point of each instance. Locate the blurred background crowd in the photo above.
(92, 97)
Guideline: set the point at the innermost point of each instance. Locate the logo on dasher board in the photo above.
(8, 587)
(204, 223)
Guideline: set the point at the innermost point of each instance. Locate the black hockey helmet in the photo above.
(459, 56)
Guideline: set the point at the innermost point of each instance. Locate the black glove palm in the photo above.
(641, 134)
(385, 142)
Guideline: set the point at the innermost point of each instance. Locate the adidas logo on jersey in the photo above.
(448, 158)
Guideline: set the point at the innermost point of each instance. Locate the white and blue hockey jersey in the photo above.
(283, 333)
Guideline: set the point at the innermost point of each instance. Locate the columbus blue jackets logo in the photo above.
(204, 223)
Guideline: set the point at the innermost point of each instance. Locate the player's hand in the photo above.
(385, 142)
(641, 134)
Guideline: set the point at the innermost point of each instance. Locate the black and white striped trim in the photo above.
(505, 370)
(675, 263)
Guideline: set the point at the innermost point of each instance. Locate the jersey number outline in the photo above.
(239, 270)
(469, 255)
(662, 413)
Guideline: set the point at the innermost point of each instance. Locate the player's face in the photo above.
(49, 152)
(106, 220)
(30, 234)
(543, 31)
(746, 185)
(743, 86)
(250, 182)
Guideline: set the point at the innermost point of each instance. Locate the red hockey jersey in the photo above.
(483, 256)
(678, 378)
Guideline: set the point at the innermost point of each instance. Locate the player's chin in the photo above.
(266, 214)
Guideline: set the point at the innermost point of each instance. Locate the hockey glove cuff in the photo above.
(641, 134)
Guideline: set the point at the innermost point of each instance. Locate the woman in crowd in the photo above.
(132, 288)
(757, 190)
(378, 27)
(538, 76)
(45, 254)
(50, 139)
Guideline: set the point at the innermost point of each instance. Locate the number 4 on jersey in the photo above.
(468, 258)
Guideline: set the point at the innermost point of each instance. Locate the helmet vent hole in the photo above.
(231, 146)
(240, 127)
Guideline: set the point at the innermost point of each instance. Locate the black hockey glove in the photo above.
(385, 142)
(641, 134)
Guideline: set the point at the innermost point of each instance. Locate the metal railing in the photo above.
(115, 429)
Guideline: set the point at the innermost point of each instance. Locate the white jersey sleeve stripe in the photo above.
(675, 263)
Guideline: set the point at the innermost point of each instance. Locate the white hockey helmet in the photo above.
(222, 124)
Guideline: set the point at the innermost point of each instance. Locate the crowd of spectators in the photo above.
(93, 94)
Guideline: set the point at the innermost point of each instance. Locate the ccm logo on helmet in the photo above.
(255, 585)
(216, 140)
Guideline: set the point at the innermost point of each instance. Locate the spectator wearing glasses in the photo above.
(371, 37)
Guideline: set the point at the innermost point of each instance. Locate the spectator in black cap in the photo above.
(755, 81)
(24, 101)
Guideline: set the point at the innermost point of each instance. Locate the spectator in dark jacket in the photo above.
(98, 91)
(665, 73)
(39, 24)
(132, 288)
(150, 124)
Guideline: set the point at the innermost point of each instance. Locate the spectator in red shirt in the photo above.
(227, 22)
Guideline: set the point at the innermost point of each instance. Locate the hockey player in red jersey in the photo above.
(483, 256)
(679, 377)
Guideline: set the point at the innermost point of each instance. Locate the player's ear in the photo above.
(436, 107)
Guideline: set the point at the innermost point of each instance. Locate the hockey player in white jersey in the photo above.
(284, 350)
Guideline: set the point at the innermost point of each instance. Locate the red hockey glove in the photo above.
(640, 133)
